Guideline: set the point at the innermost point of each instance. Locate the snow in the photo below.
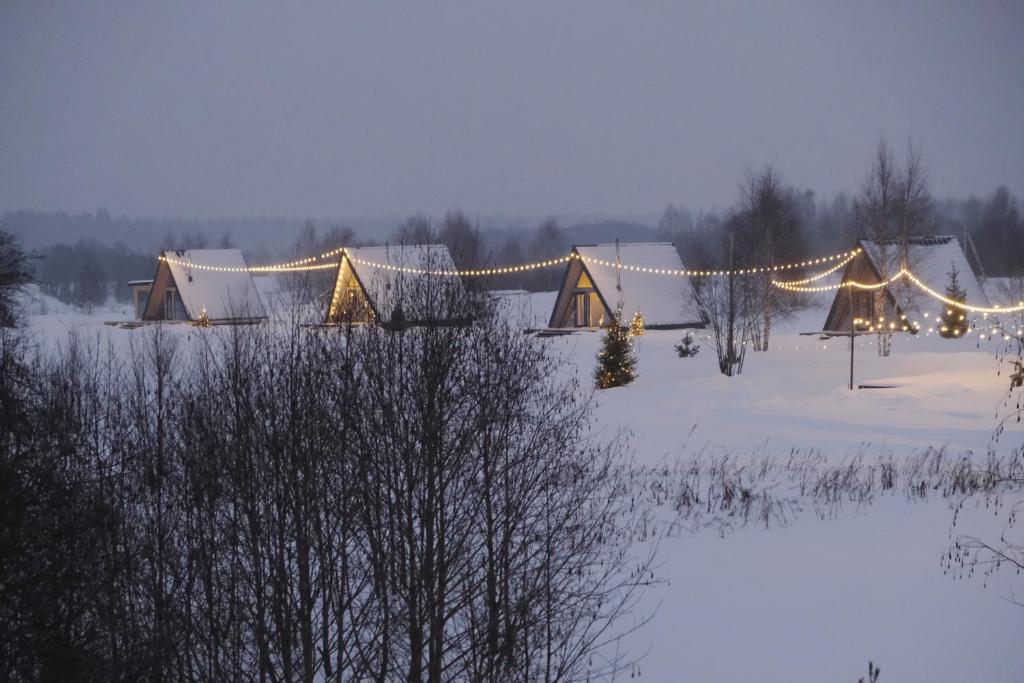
(816, 599)
(662, 300)
(1004, 291)
(224, 294)
(530, 311)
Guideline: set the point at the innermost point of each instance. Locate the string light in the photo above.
(825, 273)
(310, 264)
(846, 256)
(845, 283)
(290, 266)
(801, 285)
(959, 304)
(472, 272)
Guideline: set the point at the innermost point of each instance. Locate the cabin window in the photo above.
(864, 307)
(141, 295)
(174, 308)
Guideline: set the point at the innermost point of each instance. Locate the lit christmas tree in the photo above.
(616, 364)
(203, 320)
(954, 319)
(636, 328)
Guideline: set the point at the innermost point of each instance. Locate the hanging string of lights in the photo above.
(959, 304)
(473, 272)
(846, 256)
(310, 264)
(801, 285)
(825, 273)
(297, 265)
(903, 273)
(795, 287)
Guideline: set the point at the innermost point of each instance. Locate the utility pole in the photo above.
(618, 277)
(849, 294)
(730, 355)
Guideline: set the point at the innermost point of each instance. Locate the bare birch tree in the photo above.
(877, 211)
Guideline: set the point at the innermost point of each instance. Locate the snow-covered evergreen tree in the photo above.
(686, 348)
(954, 319)
(616, 363)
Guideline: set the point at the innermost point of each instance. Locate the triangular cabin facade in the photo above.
(386, 285)
(594, 287)
(189, 282)
(901, 306)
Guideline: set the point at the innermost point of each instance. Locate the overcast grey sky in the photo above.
(616, 108)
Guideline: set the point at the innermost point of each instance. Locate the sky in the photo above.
(204, 110)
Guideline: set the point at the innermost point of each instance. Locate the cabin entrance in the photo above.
(586, 304)
(582, 309)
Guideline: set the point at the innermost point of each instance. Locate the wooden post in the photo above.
(731, 356)
(849, 293)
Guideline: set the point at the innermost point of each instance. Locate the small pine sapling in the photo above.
(686, 348)
(616, 364)
(954, 319)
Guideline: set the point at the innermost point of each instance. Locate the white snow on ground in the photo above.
(814, 600)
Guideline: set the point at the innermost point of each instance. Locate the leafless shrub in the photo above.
(725, 492)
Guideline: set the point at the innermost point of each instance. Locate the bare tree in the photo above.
(726, 304)
(877, 211)
(298, 503)
(462, 239)
(417, 229)
(770, 229)
(548, 242)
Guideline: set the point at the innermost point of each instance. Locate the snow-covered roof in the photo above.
(226, 294)
(1004, 291)
(531, 309)
(388, 275)
(661, 299)
(930, 259)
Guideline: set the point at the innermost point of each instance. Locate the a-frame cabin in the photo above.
(189, 282)
(900, 306)
(387, 285)
(595, 285)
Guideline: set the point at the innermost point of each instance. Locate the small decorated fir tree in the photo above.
(616, 364)
(203, 320)
(636, 328)
(686, 348)
(954, 318)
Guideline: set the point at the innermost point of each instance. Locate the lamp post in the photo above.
(853, 324)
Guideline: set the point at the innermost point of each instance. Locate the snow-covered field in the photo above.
(815, 599)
